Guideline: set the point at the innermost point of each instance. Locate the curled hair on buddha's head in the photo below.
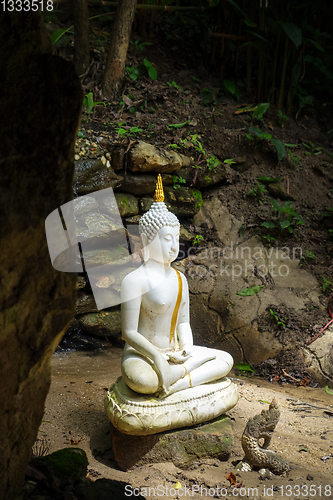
(157, 216)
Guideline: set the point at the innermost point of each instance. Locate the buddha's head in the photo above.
(159, 221)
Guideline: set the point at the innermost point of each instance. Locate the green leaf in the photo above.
(121, 131)
(314, 43)
(244, 367)
(232, 88)
(284, 223)
(268, 179)
(195, 79)
(279, 148)
(151, 70)
(327, 390)
(80, 134)
(294, 33)
(266, 136)
(58, 34)
(269, 224)
(248, 292)
(260, 110)
(133, 73)
(276, 205)
(178, 125)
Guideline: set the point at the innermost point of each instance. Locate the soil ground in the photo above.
(74, 416)
(74, 413)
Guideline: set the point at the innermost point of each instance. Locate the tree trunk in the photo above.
(115, 64)
(81, 35)
(40, 104)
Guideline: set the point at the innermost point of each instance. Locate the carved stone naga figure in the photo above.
(167, 381)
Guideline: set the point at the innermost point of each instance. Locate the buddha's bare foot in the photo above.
(164, 393)
(195, 362)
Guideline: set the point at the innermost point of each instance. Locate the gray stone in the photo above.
(182, 447)
(128, 204)
(85, 303)
(97, 230)
(218, 217)
(319, 357)
(102, 324)
(223, 173)
(184, 201)
(117, 152)
(92, 175)
(84, 205)
(147, 158)
(117, 256)
(139, 185)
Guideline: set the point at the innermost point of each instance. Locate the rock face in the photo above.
(319, 357)
(40, 110)
(221, 318)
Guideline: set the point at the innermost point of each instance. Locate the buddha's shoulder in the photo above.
(134, 278)
(183, 277)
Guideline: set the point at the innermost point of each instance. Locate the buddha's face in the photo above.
(165, 246)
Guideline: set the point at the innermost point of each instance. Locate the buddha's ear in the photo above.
(145, 247)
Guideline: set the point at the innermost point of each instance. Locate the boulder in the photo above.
(116, 256)
(145, 157)
(182, 447)
(41, 102)
(102, 324)
(128, 204)
(138, 184)
(222, 318)
(92, 175)
(68, 465)
(184, 201)
(319, 357)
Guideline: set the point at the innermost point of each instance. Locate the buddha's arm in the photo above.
(184, 332)
(130, 311)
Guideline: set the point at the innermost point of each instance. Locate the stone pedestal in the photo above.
(182, 447)
(139, 414)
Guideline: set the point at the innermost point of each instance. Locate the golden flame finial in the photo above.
(159, 194)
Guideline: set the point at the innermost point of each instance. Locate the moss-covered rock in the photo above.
(102, 324)
(92, 175)
(127, 203)
(68, 465)
(182, 447)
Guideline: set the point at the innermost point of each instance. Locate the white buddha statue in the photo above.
(167, 382)
(159, 356)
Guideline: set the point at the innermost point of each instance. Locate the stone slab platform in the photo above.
(181, 447)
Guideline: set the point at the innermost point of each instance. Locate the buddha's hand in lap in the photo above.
(163, 371)
(180, 356)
